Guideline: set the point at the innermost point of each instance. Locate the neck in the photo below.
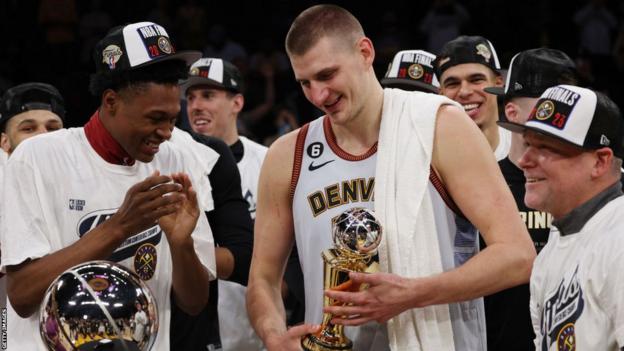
(104, 143)
(491, 134)
(516, 149)
(231, 135)
(359, 134)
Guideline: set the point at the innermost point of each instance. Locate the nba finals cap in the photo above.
(213, 72)
(577, 116)
(533, 71)
(28, 97)
(412, 70)
(466, 49)
(137, 45)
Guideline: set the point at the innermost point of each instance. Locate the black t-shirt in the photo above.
(232, 228)
(507, 314)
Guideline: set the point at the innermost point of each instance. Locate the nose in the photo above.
(165, 129)
(318, 94)
(465, 89)
(527, 160)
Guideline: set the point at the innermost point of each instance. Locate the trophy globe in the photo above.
(98, 305)
(357, 232)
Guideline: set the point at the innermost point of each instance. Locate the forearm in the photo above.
(190, 277)
(498, 267)
(265, 308)
(225, 262)
(28, 282)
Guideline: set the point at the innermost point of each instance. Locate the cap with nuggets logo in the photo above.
(533, 71)
(137, 45)
(412, 70)
(466, 49)
(578, 116)
(213, 72)
(28, 97)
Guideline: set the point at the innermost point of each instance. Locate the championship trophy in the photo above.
(98, 305)
(356, 234)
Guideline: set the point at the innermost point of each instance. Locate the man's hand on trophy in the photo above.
(290, 340)
(387, 296)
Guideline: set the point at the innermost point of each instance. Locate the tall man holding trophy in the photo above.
(428, 173)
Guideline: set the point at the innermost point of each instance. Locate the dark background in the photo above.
(52, 40)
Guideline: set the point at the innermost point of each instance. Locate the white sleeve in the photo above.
(24, 230)
(536, 311)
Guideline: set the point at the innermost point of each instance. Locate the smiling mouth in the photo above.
(333, 104)
(470, 107)
(201, 122)
(533, 180)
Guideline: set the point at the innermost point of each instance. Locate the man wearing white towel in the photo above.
(329, 165)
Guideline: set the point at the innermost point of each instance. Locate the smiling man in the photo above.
(574, 147)
(111, 190)
(465, 67)
(27, 110)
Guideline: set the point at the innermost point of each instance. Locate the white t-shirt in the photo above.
(57, 188)
(235, 329)
(504, 143)
(577, 299)
(3, 161)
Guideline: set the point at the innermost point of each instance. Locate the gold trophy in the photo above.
(356, 234)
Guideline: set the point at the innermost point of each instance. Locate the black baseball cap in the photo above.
(578, 116)
(533, 71)
(412, 70)
(466, 49)
(213, 72)
(137, 45)
(28, 97)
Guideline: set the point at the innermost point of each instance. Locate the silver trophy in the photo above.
(356, 234)
(98, 305)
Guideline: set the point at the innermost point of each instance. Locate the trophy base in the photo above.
(313, 343)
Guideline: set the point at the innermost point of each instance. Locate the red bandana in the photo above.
(104, 144)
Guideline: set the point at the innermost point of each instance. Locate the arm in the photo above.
(274, 241)
(473, 179)
(142, 206)
(230, 221)
(190, 277)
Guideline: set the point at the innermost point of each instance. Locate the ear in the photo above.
(239, 102)
(511, 112)
(4, 142)
(499, 80)
(604, 162)
(367, 50)
(110, 102)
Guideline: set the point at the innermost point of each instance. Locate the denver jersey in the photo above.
(327, 181)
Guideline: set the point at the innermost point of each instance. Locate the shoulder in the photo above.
(54, 143)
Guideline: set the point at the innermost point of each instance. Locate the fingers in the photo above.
(302, 330)
(346, 297)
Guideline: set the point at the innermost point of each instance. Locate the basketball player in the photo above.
(304, 181)
(465, 66)
(111, 190)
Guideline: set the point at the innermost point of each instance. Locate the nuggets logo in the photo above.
(566, 340)
(164, 45)
(562, 307)
(110, 55)
(145, 261)
(484, 51)
(194, 71)
(415, 71)
(545, 110)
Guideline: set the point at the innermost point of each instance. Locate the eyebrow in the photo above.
(453, 79)
(323, 72)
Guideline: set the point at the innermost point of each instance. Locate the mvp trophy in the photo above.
(356, 234)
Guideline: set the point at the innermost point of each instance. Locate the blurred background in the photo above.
(52, 41)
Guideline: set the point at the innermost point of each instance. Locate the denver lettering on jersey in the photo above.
(347, 191)
(536, 219)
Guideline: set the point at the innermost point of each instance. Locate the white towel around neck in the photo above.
(410, 246)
